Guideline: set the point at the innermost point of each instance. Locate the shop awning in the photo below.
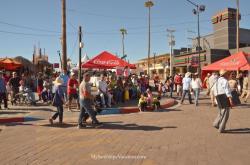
(106, 60)
(238, 61)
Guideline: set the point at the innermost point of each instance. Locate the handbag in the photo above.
(222, 99)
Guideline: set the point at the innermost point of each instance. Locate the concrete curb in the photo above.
(107, 111)
(18, 119)
(125, 110)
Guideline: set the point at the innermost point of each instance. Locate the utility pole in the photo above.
(80, 55)
(171, 41)
(64, 43)
(237, 28)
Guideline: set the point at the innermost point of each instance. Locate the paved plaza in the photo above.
(181, 135)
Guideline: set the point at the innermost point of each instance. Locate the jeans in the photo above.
(4, 98)
(104, 100)
(64, 89)
(118, 96)
(86, 110)
(184, 94)
(58, 113)
(196, 95)
(171, 91)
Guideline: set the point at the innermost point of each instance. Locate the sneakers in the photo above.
(51, 121)
(81, 126)
(96, 123)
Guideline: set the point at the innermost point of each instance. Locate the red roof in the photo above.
(106, 60)
(238, 61)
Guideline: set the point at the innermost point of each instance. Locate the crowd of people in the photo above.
(63, 88)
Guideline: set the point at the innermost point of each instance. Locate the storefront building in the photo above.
(216, 46)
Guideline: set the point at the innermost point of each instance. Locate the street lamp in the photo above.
(123, 31)
(149, 4)
(237, 28)
(171, 44)
(80, 55)
(59, 54)
(197, 11)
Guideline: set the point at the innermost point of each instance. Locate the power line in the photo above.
(29, 34)
(27, 27)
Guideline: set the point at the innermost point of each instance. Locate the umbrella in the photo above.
(9, 64)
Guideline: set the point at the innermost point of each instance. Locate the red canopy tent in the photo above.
(9, 64)
(106, 60)
(238, 61)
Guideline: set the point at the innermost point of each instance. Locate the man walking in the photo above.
(86, 103)
(223, 96)
(186, 87)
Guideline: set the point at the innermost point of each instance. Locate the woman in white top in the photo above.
(196, 86)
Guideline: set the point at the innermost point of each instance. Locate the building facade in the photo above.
(157, 65)
(216, 46)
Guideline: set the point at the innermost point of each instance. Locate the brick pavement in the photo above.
(183, 135)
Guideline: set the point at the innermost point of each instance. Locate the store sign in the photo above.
(233, 62)
(56, 65)
(195, 61)
(106, 62)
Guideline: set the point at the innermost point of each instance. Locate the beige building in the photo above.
(157, 65)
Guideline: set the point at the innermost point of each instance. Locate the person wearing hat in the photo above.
(186, 81)
(3, 91)
(86, 103)
(196, 87)
(223, 96)
(58, 101)
(72, 90)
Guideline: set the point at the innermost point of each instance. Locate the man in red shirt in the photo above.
(178, 83)
(72, 90)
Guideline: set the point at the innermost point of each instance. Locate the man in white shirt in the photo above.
(103, 91)
(222, 89)
(186, 87)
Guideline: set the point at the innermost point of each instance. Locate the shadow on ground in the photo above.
(238, 131)
(17, 123)
(112, 126)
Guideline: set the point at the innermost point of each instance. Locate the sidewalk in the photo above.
(183, 135)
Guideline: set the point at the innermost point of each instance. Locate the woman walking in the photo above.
(196, 86)
(58, 101)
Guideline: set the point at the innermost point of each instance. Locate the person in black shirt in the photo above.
(14, 85)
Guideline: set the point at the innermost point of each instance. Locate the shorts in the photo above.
(73, 96)
(178, 88)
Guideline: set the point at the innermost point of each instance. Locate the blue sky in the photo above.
(24, 23)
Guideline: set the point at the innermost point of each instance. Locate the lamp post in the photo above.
(80, 55)
(59, 54)
(123, 31)
(149, 4)
(237, 24)
(197, 11)
(171, 44)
